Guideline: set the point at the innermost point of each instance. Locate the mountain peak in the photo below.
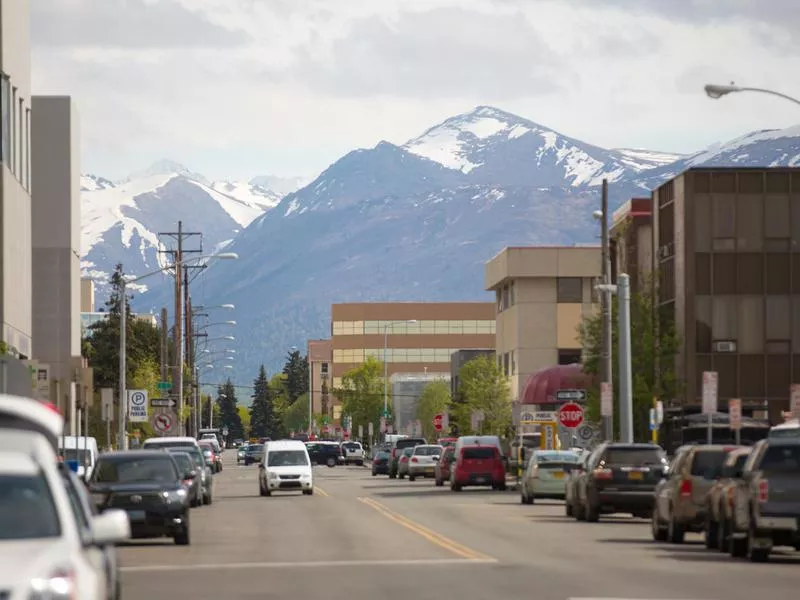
(166, 166)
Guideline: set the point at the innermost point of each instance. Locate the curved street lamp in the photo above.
(717, 91)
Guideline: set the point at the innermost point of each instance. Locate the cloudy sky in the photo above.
(236, 88)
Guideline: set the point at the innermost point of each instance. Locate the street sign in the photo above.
(735, 413)
(585, 432)
(163, 402)
(653, 420)
(794, 406)
(570, 415)
(137, 406)
(542, 416)
(371, 429)
(548, 440)
(710, 383)
(163, 423)
(438, 422)
(571, 395)
(606, 400)
(164, 385)
(107, 403)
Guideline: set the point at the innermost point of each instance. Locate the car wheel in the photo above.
(657, 529)
(675, 531)
(757, 555)
(412, 477)
(331, 462)
(723, 533)
(374, 473)
(439, 482)
(523, 497)
(392, 475)
(261, 490)
(568, 509)
(182, 537)
(455, 487)
(209, 499)
(308, 492)
(592, 512)
(711, 533)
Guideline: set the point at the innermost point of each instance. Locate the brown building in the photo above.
(631, 241)
(542, 295)
(320, 359)
(727, 248)
(360, 330)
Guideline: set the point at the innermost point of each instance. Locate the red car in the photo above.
(443, 465)
(478, 465)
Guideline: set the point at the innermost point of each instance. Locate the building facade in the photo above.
(360, 330)
(726, 246)
(631, 241)
(459, 359)
(542, 296)
(87, 295)
(16, 327)
(406, 388)
(55, 216)
(320, 373)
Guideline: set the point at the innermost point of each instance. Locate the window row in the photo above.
(747, 273)
(506, 297)
(395, 355)
(15, 132)
(757, 324)
(426, 327)
(753, 182)
(507, 363)
(746, 376)
(751, 223)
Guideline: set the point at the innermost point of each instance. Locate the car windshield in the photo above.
(27, 510)
(428, 450)
(193, 454)
(184, 461)
(82, 455)
(708, 463)
(476, 453)
(635, 456)
(781, 459)
(135, 470)
(351, 446)
(255, 448)
(157, 445)
(286, 458)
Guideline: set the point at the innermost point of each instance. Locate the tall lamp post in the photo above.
(386, 327)
(717, 91)
(607, 369)
(123, 325)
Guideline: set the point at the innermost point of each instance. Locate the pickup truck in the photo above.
(766, 500)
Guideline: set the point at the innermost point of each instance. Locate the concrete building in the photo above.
(459, 359)
(631, 241)
(726, 246)
(360, 330)
(542, 295)
(406, 388)
(55, 209)
(320, 372)
(16, 328)
(87, 295)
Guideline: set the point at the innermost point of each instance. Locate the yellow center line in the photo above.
(321, 492)
(430, 535)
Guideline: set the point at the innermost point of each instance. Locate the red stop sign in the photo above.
(570, 415)
(437, 422)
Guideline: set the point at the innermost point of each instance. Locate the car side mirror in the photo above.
(435, 458)
(261, 465)
(110, 527)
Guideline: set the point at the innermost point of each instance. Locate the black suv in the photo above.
(148, 485)
(325, 453)
(397, 450)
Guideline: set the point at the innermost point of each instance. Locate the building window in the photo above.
(506, 364)
(570, 290)
(5, 119)
(21, 128)
(776, 217)
(724, 318)
(505, 302)
(749, 223)
(751, 325)
(26, 172)
(512, 293)
(323, 368)
(779, 309)
(12, 161)
(513, 362)
(702, 308)
(569, 357)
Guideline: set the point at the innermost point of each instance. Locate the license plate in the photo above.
(137, 515)
(558, 474)
(636, 475)
(480, 480)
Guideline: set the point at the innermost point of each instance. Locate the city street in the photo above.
(361, 537)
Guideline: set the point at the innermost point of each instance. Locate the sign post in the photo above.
(735, 418)
(570, 415)
(438, 421)
(710, 386)
(607, 408)
(549, 436)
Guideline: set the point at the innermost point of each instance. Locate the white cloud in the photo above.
(237, 88)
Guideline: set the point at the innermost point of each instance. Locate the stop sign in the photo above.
(570, 415)
(437, 421)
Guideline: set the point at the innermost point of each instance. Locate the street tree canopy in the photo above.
(362, 393)
(435, 399)
(483, 387)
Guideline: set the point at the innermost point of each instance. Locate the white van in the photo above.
(82, 449)
(789, 429)
(478, 440)
(285, 466)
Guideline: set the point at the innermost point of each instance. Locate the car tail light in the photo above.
(763, 491)
(603, 473)
(686, 488)
(187, 482)
(730, 496)
(394, 452)
(414, 459)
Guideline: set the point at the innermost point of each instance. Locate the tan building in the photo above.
(87, 295)
(727, 250)
(441, 328)
(320, 359)
(631, 241)
(542, 295)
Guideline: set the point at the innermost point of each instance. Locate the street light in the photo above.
(386, 363)
(716, 91)
(607, 368)
(231, 323)
(203, 307)
(123, 359)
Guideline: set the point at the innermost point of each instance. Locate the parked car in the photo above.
(325, 453)
(423, 459)
(398, 445)
(403, 461)
(545, 475)
(477, 465)
(620, 478)
(380, 463)
(353, 453)
(718, 500)
(443, 465)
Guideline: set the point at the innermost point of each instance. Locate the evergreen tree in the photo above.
(296, 371)
(229, 411)
(261, 410)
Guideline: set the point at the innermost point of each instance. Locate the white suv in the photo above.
(44, 551)
(353, 453)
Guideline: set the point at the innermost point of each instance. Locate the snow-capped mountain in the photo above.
(418, 221)
(121, 221)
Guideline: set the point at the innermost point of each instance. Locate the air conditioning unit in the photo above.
(725, 346)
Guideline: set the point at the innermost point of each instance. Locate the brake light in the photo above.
(602, 474)
(730, 497)
(686, 488)
(763, 491)
(187, 482)
(394, 452)
(414, 459)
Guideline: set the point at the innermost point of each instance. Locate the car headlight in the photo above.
(58, 586)
(174, 495)
(99, 498)
(273, 475)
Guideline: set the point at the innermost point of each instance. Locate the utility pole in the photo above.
(625, 376)
(164, 345)
(608, 336)
(177, 257)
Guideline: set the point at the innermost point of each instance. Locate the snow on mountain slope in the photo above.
(92, 183)
(769, 147)
(248, 193)
(640, 159)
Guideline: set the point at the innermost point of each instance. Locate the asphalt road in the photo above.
(362, 538)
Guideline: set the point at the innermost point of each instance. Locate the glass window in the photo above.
(27, 510)
(778, 317)
(20, 143)
(570, 289)
(135, 470)
(702, 223)
(27, 170)
(702, 273)
(724, 273)
(776, 217)
(569, 357)
(12, 160)
(750, 269)
(505, 297)
(751, 324)
(724, 216)
(287, 458)
(795, 225)
(702, 308)
(778, 269)
(708, 463)
(724, 318)
(5, 118)
(461, 327)
(512, 294)
(796, 324)
(749, 223)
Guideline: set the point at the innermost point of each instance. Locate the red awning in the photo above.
(542, 386)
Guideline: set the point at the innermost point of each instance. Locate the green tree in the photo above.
(362, 393)
(261, 408)
(244, 417)
(654, 345)
(483, 387)
(295, 417)
(435, 399)
(296, 373)
(228, 411)
(279, 393)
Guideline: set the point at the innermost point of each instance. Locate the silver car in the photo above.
(422, 462)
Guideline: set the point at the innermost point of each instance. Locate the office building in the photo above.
(16, 328)
(726, 246)
(542, 296)
(320, 358)
(360, 330)
(631, 241)
(459, 359)
(87, 295)
(406, 388)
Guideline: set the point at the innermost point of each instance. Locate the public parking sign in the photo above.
(137, 406)
(570, 415)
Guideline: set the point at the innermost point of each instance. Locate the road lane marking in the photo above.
(430, 535)
(321, 492)
(303, 565)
